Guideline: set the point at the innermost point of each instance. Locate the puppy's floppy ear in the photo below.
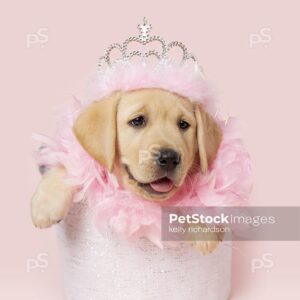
(96, 130)
(209, 136)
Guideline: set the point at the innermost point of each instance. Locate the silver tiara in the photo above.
(144, 38)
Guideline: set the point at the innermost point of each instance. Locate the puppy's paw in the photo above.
(51, 200)
(46, 209)
(206, 247)
(206, 241)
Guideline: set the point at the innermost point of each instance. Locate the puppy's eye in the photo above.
(183, 125)
(137, 122)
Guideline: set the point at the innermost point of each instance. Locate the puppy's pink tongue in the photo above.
(162, 186)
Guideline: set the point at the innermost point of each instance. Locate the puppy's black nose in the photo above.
(168, 159)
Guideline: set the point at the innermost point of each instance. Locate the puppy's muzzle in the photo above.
(168, 159)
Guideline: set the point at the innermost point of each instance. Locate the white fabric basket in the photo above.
(97, 267)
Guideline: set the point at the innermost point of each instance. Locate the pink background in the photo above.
(258, 83)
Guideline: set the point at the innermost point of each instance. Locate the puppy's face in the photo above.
(156, 134)
(150, 138)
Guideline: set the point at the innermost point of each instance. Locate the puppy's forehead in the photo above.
(152, 98)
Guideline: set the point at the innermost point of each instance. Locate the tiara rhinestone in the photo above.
(145, 38)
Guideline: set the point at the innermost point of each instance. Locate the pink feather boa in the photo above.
(228, 182)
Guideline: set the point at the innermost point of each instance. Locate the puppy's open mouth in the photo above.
(159, 186)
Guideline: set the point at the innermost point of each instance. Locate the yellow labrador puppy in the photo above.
(150, 138)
